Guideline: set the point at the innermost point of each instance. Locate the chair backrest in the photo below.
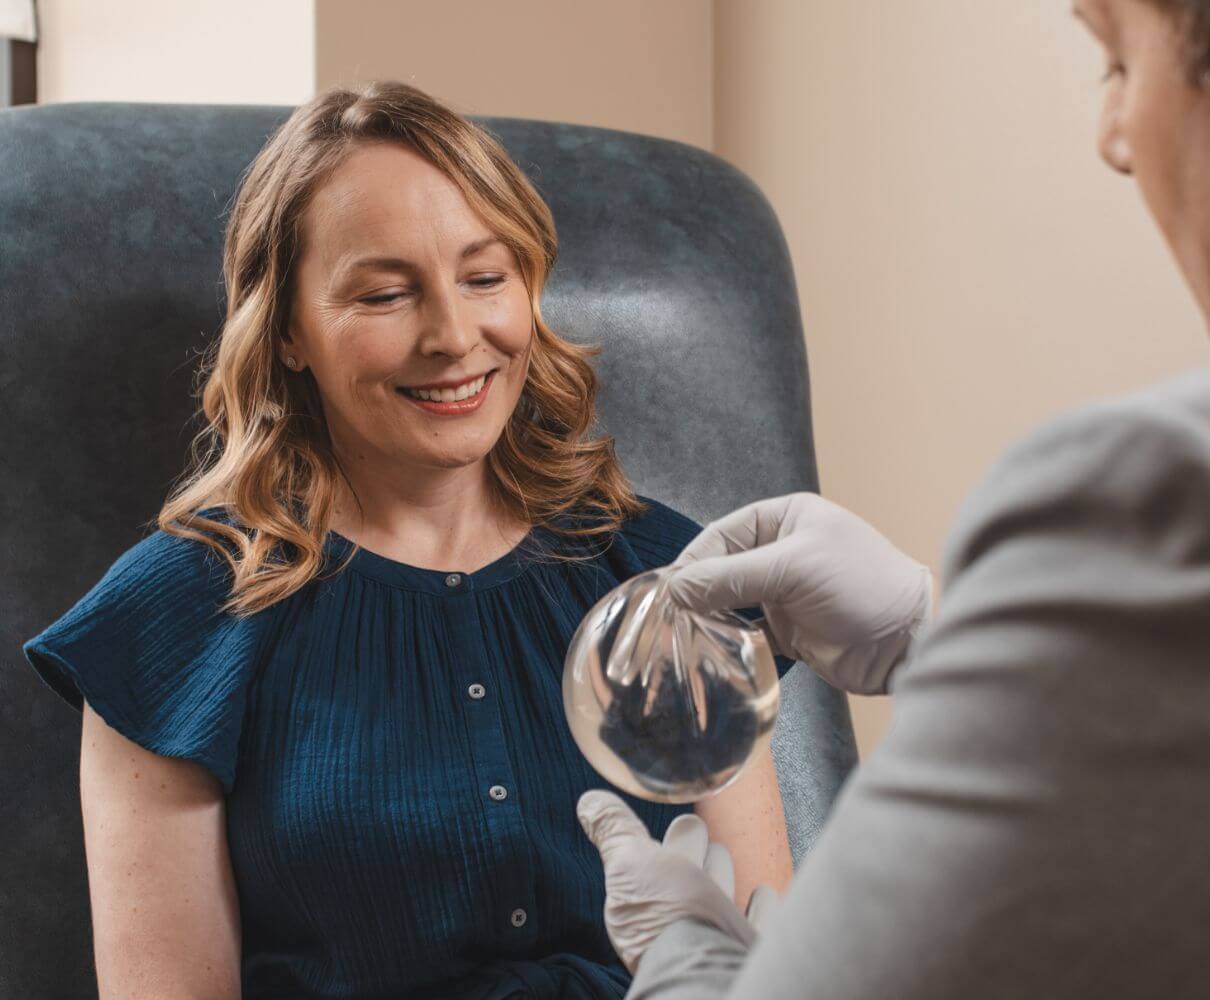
(111, 225)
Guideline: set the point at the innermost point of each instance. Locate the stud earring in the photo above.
(291, 362)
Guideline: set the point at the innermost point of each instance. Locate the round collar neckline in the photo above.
(443, 582)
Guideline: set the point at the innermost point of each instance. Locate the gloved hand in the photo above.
(649, 885)
(836, 594)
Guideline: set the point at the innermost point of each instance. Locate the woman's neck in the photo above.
(446, 521)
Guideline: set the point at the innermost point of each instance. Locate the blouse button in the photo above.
(453, 579)
(498, 792)
(517, 917)
(476, 690)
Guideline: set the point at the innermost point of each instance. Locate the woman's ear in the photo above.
(288, 351)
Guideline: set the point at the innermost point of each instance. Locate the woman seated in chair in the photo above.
(324, 749)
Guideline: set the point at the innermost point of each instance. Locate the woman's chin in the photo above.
(449, 458)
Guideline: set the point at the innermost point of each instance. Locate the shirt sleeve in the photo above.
(1034, 821)
(658, 536)
(150, 650)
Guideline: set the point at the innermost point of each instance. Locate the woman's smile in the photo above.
(443, 401)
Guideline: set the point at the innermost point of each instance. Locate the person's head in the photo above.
(380, 242)
(1155, 122)
(399, 284)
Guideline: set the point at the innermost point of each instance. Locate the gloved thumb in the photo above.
(725, 582)
(719, 866)
(607, 820)
(762, 905)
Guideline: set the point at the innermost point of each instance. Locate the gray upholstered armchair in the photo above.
(111, 223)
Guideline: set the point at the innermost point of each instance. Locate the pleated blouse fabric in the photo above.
(400, 778)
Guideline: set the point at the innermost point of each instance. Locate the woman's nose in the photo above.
(447, 329)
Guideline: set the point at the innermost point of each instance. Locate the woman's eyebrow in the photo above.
(402, 264)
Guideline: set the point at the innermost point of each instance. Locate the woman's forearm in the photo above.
(747, 818)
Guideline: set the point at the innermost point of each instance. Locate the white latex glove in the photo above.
(649, 885)
(836, 594)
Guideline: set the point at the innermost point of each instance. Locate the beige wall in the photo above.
(966, 265)
(219, 51)
(639, 65)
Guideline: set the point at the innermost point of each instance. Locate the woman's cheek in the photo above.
(521, 320)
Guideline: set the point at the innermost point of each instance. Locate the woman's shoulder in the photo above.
(653, 536)
(152, 650)
(170, 564)
(1139, 461)
(163, 570)
(659, 532)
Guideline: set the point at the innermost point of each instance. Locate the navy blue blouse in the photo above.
(400, 778)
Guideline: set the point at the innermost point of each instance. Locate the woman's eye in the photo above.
(490, 281)
(1112, 70)
(383, 299)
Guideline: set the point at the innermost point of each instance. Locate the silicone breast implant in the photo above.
(666, 703)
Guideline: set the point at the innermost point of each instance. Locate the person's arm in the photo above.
(165, 912)
(1034, 822)
(747, 818)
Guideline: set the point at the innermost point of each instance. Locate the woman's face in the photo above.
(1155, 125)
(401, 285)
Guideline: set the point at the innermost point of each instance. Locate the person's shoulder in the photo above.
(1126, 445)
(661, 517)
(151, 648)
(659, 532)
(165, 575)
(1139, 461)
(169, 564)
(1175, 411)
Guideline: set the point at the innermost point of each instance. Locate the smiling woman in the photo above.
(381, 243)
(399, 285)
(337, 664)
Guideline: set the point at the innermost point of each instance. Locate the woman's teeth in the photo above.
(449, 395)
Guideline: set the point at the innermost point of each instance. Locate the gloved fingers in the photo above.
(687, 836)
(746, 527)
(715, 583)
(924, 607)
(733, 532)
(608, 821)
(762, 904)
(720, 867)
(762, 622)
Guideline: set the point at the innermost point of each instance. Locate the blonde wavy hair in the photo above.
(264, 452)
